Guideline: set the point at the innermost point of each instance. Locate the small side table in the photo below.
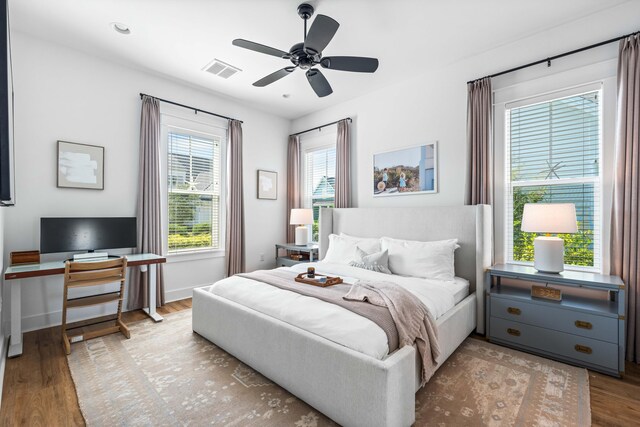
(285, 261)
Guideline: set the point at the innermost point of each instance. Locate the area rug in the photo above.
(166, 375)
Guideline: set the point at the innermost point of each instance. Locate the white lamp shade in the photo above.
(549, 218)
(301, 216)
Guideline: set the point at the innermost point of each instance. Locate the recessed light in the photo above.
(286, 95)
(120, 28)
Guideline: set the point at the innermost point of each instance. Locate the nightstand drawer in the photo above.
(559, 319)
(287, 262)
(566, 345)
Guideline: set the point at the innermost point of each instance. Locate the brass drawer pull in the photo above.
(583, 349)
(514, 310)
(584, 325)
(514, 332)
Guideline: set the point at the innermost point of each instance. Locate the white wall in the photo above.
(63, 94)
(433, 105)
(3, 341)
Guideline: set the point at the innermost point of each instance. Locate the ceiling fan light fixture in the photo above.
(120, 28)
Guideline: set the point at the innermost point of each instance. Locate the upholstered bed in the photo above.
(349, 386)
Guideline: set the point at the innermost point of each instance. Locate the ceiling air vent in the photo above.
(221, 69)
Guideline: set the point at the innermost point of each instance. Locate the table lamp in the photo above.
(548, 251)
(301, 217)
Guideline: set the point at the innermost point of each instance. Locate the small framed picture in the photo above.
(267, 185)
(80, 166)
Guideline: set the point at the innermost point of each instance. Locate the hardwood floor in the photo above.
(38, 389)
(615, 402)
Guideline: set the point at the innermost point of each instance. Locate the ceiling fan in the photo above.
(308, 54)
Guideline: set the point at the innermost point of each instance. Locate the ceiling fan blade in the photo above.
(257, 47)
(320, 34)
(359, 64)
(319, 83)
(274, 77)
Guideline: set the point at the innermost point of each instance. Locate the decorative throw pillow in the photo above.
(429, 260)
(378, 261)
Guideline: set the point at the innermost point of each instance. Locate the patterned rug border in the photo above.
(543, 361)
(131, 323)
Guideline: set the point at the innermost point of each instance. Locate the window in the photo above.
(554, 156)
(193, 173)
(319, 178)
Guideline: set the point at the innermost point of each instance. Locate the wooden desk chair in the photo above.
(84, 274)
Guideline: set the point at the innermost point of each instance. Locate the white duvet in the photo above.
(329, 320)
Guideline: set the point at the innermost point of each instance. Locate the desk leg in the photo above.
(151, 311)
(15, 342)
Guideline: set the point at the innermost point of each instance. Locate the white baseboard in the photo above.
(36, 322)
(53, 318)
(182, 293)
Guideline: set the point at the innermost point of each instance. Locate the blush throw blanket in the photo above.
(413, 321)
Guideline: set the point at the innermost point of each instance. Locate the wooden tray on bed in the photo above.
(302, 278)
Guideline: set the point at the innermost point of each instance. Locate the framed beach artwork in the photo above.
(80, 166)
(267, 185)
(411, 170)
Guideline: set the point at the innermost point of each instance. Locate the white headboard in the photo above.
(471, 225)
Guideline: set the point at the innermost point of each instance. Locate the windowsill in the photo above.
(566, 267)
(194, 255)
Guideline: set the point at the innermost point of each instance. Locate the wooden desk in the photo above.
(16, 273)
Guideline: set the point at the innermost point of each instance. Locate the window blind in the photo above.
(553, 156)
(194, 191)
(319, 181)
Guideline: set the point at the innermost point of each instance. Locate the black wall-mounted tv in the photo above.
(86, 234)
(7, 197)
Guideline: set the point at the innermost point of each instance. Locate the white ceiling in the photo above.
(178, 38)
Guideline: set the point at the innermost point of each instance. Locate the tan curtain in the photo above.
(343, 165)
(480, 143)
(294, 195)
(625, 231)
(234, 242)
(149, 210)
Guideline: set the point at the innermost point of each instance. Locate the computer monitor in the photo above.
(86, 234)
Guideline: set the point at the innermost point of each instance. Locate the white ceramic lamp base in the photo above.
(548, 254)
(302, 235)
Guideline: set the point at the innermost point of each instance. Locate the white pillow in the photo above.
(367, 244)
(429, 260)
(342, 249)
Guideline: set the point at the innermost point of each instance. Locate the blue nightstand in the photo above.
(587, 330)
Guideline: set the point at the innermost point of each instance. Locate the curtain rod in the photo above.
(196, 110)
(552, 58)
(322, 126)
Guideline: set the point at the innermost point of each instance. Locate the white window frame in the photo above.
(309, 143)
(184, 120)
(601, 234)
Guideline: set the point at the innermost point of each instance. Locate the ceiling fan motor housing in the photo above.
(301, 58)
